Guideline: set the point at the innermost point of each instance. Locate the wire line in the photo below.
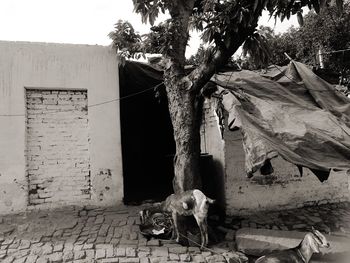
(206, 248)
(91, 105)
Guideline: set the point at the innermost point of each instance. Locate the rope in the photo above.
(336, 51)
(208, 249)
(91, 105)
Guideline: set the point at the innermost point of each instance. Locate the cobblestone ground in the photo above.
(112, 234)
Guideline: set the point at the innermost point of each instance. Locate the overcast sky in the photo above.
(77, 21)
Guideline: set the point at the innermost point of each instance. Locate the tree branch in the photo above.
(225, 48)
(201, 75)
(180, 14)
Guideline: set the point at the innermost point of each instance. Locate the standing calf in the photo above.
(192, 202)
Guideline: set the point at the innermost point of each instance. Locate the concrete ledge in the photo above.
(258, 242)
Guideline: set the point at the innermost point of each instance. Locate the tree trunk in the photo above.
(185, 109)
(184, 92)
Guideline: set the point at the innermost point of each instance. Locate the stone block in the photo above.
(32, 258)
(56, 257)
(185, 258)
(100, 253)
(129, 260)
(174, 257)
(130, 252)
(215, 258)
(178, 249)
(160, 252)
(158, 259)
(79, 254)
(110, 260)
(198, 258)
(120, 252)
(153, 242)
(68, 256)
(144, 260)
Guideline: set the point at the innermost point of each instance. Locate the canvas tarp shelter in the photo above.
(293, 114)
(288, 112)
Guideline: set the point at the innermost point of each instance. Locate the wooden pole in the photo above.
(288, 56)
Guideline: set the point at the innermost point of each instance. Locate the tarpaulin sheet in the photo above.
(292, 113)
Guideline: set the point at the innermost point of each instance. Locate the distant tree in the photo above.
(283, 43)
(225, 26)
(328, 31)
(199, 57)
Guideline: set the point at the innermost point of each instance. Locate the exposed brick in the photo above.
(56, 257)
(100, 253)
(129, 260)
(178, 250)
(120, 252)
(174, 257)
(160, 252)
(153, 242)
(32, 259)
(110, 260)
(57, 146)
(130, 252)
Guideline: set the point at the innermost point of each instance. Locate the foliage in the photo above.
(197, 58)
(203, 55)
(257, 46)
(327, 31)
(215, 19)
(126, 40)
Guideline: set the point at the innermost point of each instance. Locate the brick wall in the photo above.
(58, 167)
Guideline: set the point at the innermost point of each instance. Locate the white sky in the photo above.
(77, 21)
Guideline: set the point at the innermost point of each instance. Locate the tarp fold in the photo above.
(294, 114)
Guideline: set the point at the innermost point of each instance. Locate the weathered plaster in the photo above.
(283, 189)
(213, 143)
(58, 66)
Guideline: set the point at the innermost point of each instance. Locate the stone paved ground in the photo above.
(111, 234)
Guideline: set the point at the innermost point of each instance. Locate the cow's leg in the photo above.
(176, 228)
(203, 229)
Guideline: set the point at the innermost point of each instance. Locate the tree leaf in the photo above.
(340, 6)
(316, 6)
(300, 18)
(323, 3)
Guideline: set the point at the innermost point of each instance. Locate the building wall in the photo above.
(283, 189)
(59, 67)
(213, 144)
(57, 146)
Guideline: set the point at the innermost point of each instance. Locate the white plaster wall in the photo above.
(213, 143)
(59, 66)
(283, 189)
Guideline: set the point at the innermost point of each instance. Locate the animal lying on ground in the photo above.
(311, 243)
(188, 203)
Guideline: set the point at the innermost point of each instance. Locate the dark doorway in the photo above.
(146, 133)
